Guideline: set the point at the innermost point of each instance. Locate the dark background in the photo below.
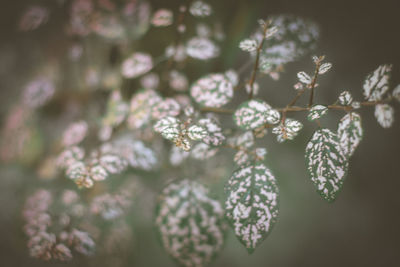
(360, 229)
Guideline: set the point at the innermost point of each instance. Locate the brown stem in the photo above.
(255, 69)
(314, 80)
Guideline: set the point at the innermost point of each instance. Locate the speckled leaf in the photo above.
(326, 163)
(196, 132)
(251, 114)
(304, 77)
(350, 133)
(252, 204)
(384, 114)
(190, 223)
(317, 112)
(168, 127)
(287, 130)
(345, 98)
(376, 83)
(325, 67)
(213, 90)
(214, 136)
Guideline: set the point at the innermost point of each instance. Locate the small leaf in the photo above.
(202, 48)
(248, 45)
(98, 173)
(166, 107)
(252, 204)
(396, 92)
(350, 133)
(304, 77)
(168, 127)
(317, 112)
(326, 163)
(345, 98)
(325, 67)
(141, 107)
(162, 18)
(271, 32)
(384, 114)
(190, 223)
(137, 64)
(376, 83)
(200, 9)
(214, 136)
(251, 114)
(213, 90)
(287, 130)
(196, 132)
(272, 116)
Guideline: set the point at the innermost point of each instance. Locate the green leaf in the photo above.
(196, 132)
(376, 83)
(345, 98)
(326, 163)
(317, 112)
(190, 223)
(252, 204)
(287, 130)
(212, 90)
(251, 114)
(350, 133)
(168, 127)
(214, 136)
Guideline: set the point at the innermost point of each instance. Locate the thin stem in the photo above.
(255, 69)
(314, 80)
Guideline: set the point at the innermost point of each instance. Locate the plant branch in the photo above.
(255, 69)
(314, 79)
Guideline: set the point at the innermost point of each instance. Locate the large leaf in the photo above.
(190, 223)
(252, 204)
(350, 133)
(326, 163)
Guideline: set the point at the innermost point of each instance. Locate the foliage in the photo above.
(154, 117)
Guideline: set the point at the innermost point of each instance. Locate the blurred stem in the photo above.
(255, 69)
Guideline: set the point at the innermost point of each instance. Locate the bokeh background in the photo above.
(360, 229)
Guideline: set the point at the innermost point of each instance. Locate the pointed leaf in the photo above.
(317, 112)
(326, 163)
(252, 204)
(350, 133)
(376, 83)
(251, 114)
(190, 223)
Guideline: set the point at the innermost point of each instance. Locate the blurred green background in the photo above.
(362, 228)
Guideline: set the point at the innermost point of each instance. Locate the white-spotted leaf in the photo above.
(251, 114)
(345, 98)
(376, 83)
(350, 133)
(190, 223)
(252, 204)
(326, 163)
(213, 90)
(384, 114)
(196, 132)
(317, 112)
